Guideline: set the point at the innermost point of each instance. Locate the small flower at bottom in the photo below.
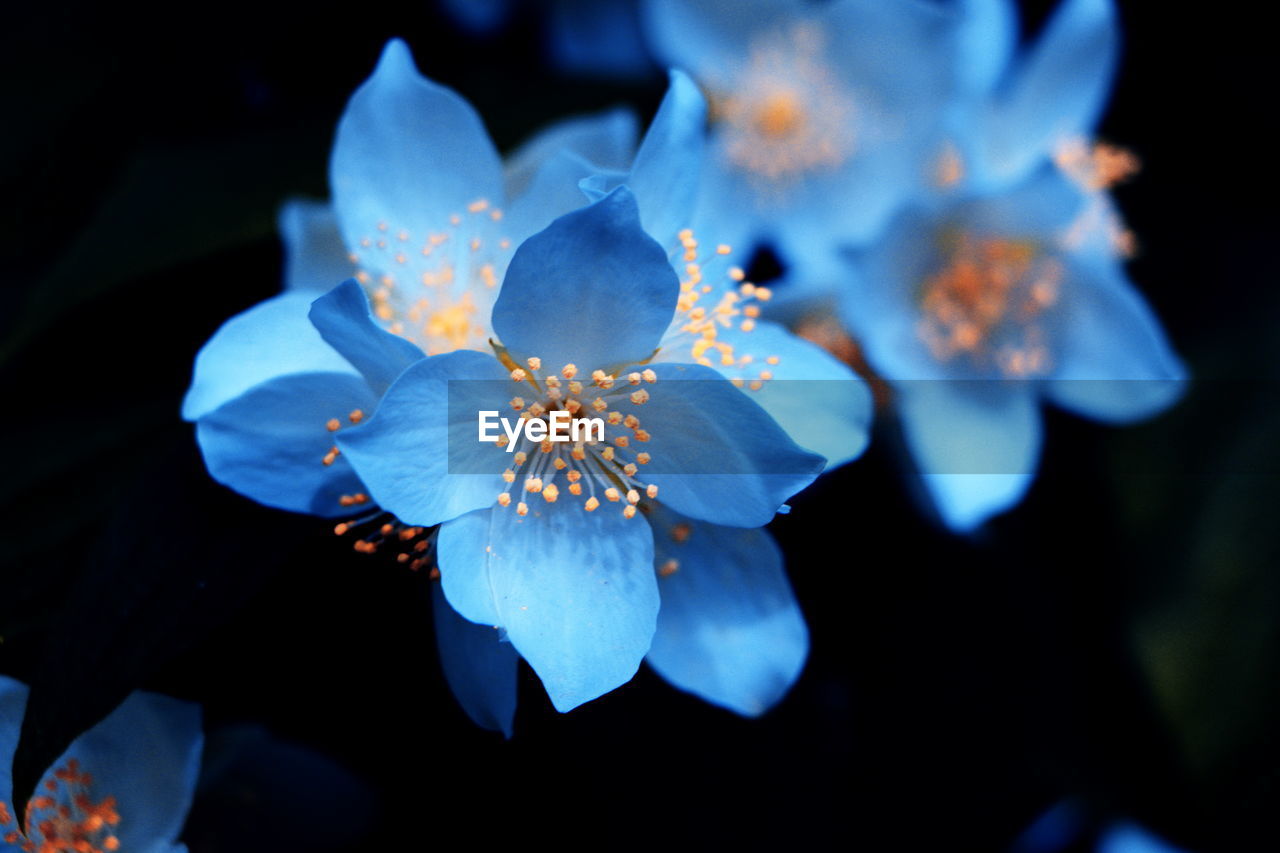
(126, 784)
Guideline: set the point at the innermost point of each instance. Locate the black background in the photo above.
(1116, 639)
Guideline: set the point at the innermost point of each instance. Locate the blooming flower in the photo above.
(825, 115)
(1006, 285)
(125, 784)
(991, 302)
(275, 442)
(570, 578)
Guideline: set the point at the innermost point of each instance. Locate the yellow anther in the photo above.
(748, 325)
(356, 416)
(669, 568)
(633, 497)
(641, 435)
(517, 403)
(607, 454)
(651, 490)
(631, 422)
(533, 484)
(723, 249)
(572, 406)
(634, 378)
(575, 488)
(550, 493)
(504, 499)
(614, 418)
(574, 476)
(333, 424)
(643, 458)
(640, 397)
(521, 457)
(518, 375)
(612, 494)
(621, 441)
(569, 371)
(591, 504)
(599, 404)
(534, 363)
(522, 508)
(575, 387)
(773, 359)
(630, 468)
(649, 376)
(629, 511)
(560, 464)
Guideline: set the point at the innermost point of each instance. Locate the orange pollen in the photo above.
(985, 304)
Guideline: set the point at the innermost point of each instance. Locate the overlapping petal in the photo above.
(592, 289)
(418, 453)
(730, 630)
(479, 665)
(716, 455)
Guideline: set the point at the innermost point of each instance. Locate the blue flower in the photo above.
(975, 309)
(825, 117)
(125, 784)
(569, 575)
(1004, 284)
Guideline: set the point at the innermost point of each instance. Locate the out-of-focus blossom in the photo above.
(975, 309)
(824, 117)
(1065, 825)
(569, 575)
(126, 784)
(1004, 284)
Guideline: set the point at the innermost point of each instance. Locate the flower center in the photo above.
(715, 297)
(786, 115)
(985, 304)
(434, 289)
(64, 819)
(595, 469)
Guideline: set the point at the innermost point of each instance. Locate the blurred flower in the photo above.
(571, 581)
(125, 784)
(1066, 824)
(824, 117)
(976, 308)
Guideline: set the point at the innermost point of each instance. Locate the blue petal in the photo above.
(988, 37)
(716, 455)
(273, 338)
(270, 443)
(592, 290)
(666, 171)
(478, 17)
(425, 430)
(13, 707)
(607, 140)
(575, 591)
(342, 317)
(1116, 364)
(408, 154)
(480, 667)
(1128, 837)
(729, 630)
(1059, 89)
(976, 445)
(315, 258)
(820, 402)
(462, 547)
(146, 754)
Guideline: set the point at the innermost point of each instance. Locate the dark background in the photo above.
(1115, 640)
